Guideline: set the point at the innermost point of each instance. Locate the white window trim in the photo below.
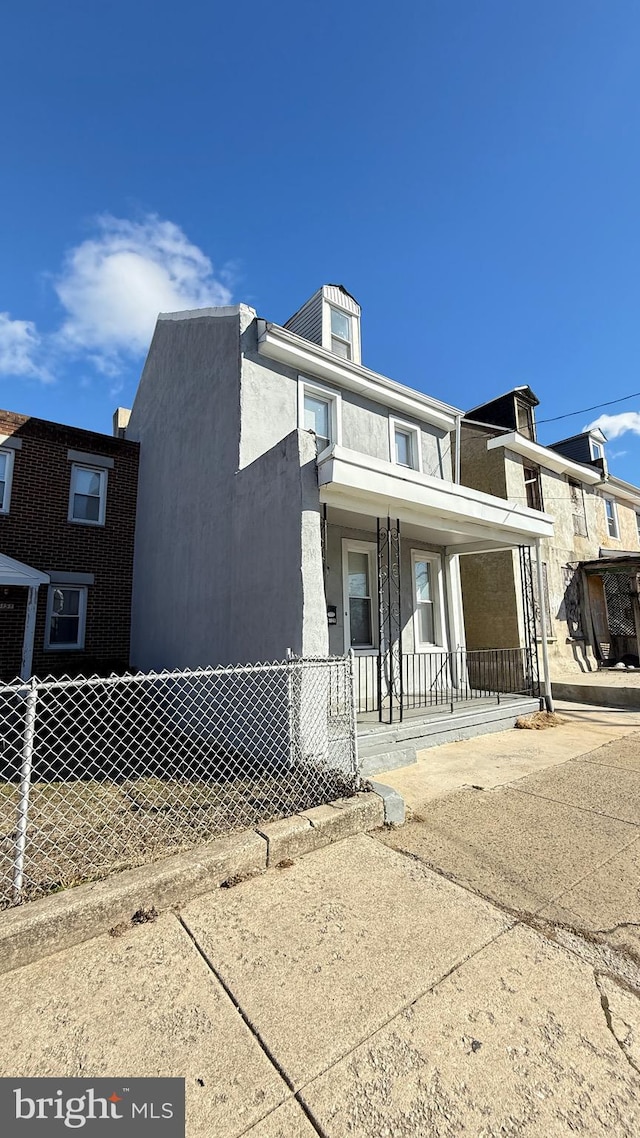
(102, 474)
(356, 351)
(8, 479)
(597, 449)
(439, 614)
(334, 399)
(408, 428)
(614, 512)
(370, 547)
(82, 619)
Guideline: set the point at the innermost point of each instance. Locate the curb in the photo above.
(40, 928)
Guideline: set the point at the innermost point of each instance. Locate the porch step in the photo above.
(384, 747)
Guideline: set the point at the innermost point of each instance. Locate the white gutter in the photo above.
(616, 488)
(278, 344)
(543, 456)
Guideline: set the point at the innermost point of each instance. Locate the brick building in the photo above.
(67, 521)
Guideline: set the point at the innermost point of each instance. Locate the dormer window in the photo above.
(341, 334)
(597, 449)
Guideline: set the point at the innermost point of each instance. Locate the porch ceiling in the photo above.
(444, 513)
(15, 573)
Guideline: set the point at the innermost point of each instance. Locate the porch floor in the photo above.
(369, 721)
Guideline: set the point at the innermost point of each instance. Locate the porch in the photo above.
(391, 541)
(445, 696)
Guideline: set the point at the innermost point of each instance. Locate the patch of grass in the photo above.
(539, 721)
(83, 830)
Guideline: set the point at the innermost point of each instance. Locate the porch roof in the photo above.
(460, 518)
(15, 573)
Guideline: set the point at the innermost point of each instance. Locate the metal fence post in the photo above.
(354, 712)
(25, 788)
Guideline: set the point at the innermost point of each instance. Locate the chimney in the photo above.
(121, 417)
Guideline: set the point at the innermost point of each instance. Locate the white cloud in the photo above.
(112, 286)
(20, 348)
(615, 425)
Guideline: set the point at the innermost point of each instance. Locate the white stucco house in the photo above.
(291, 499)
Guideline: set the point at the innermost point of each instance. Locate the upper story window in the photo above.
(533, 487)
(319, 411)
(6, 471)
(405, 444)
(597, 449)
(524, 420)
(576, 495)
(612, 517)
(341, 334)
(88, 495)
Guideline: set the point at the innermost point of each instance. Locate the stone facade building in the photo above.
(596, 519)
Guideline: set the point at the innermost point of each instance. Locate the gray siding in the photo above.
(307, 321)
(577, 449)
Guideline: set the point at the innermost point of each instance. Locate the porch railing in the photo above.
(444, 679)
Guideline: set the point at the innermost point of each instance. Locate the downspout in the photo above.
(456, 477)
(548, 697)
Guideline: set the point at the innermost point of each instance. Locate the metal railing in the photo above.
(100, 774)
(445, 679)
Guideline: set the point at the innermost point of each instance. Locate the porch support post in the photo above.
(548, 698)
(29, 634)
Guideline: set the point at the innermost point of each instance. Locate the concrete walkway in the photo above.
(361, 991)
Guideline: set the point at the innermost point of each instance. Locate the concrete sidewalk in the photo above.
(363, 991)
(355, 993)
(494, 760)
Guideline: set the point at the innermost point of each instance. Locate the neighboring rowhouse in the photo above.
(291, 498)
(67, 522)
(590, 562)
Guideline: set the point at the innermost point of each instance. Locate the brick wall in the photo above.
(36, 531)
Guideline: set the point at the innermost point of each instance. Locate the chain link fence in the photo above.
(98, 774)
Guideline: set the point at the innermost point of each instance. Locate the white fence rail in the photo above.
(99, 774)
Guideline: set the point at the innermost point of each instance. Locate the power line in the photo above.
(596, 407)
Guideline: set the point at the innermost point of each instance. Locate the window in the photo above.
(87, 499)
(597, 449)
(341, 334)
(427, 599)
(577, 508)
(533, 488)
(405, 444)
(524, 420)
(6, 470)
(319, 410)
(66, 611)
(359, 578)
(612, 517)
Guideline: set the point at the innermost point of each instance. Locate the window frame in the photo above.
(334, 335)
(416, 442)
(332, 397)
(102, 509)
(439, 618)
(82, 618)
(369, 547)
(535, 481)
(614, 518)
(597, 449)
(8, 480)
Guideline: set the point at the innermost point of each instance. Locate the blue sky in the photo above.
(469, 171)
